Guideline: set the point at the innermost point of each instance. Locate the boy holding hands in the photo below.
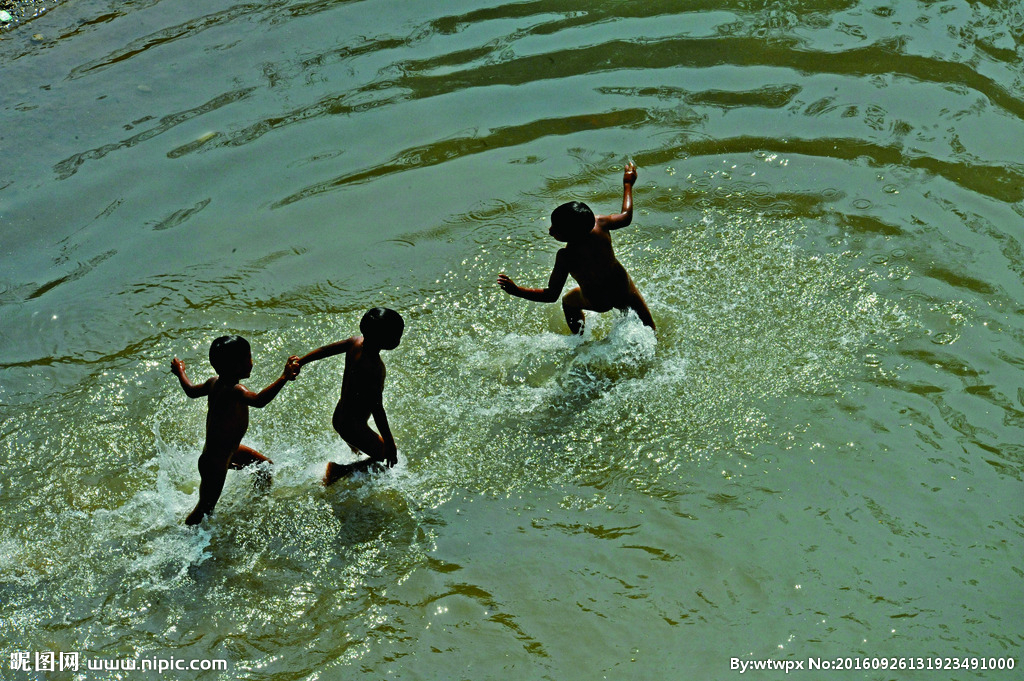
(228, 417)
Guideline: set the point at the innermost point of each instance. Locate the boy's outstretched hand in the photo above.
(506, 283)
(177, 367)
(629, 174)
(292, 367)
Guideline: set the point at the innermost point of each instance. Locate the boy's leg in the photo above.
(573, 303)
(638, 305)
(246, 456)
(363, 438)
(360, 438)
(211, 484)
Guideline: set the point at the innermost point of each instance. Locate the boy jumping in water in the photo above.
(228, 417)
(362, 391)
(589, 258)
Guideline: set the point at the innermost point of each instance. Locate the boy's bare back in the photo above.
(362, 384)
(227, 419)
(588, 257)
(228, 402)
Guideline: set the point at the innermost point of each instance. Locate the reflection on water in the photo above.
(816, 454)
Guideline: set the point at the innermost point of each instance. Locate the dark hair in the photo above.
(575, 217)
(383, 327)
(227, 351)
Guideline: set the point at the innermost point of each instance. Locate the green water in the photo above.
(817, 455)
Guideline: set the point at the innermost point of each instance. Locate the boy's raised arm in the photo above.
(620, 220)
(190, 388)
(327, 351)
(549, 294)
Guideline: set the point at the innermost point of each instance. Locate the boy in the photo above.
(362, 391)
(228, 417)
(589, 258)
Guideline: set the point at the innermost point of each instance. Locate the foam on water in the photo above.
(746, 317)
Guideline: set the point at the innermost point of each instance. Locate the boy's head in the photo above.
(382, 327)
(571, 220)
(231, 356)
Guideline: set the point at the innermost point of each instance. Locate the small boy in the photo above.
(589, 258)
(228, 417)
(362, 391)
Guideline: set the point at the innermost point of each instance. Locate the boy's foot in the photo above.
(334, 471)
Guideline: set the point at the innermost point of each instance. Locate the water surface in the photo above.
(816, 455)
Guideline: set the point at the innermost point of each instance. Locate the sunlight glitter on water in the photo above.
(826, 231)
